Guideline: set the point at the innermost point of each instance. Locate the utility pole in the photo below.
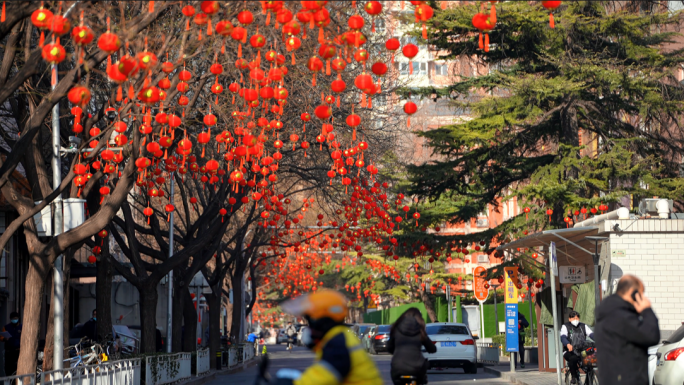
(58, 227)
(169, 286)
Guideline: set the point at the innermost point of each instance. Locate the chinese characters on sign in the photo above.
(510, 282)
(572, 274)
(512, 328)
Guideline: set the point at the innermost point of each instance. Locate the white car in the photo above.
(281, 337)
(670, 360)
(455, 347)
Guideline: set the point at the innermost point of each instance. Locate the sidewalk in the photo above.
(528, 376)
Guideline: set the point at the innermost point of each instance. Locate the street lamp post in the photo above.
(169, 288)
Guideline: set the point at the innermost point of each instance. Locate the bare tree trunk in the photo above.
(429, 305)
(103, 290)
(148, 317)
(238, 299)
(35, 287)
(214, 302)
(189, 321)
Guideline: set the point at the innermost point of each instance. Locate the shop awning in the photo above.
(572, 247)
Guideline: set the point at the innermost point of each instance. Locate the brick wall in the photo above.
(657, 259)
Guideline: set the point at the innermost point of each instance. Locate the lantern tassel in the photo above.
(480, 43)
(119, 94)
(552, 22)
(370, 102)
(223, 47)
(354, 134)
(151, 10)
(486, 44)
(408, 122)
(187, 24)
(240, 50)
(327, 68)
(209, 29)
(337, 102)
(268, 18)
(410, 67)
(443, 5)
(2, 16)
(321, 36)
(492, 15)
(41, 42)
(424, 32)
(392, 57)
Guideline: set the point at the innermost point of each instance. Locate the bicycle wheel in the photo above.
(592, 378)
(568, 377)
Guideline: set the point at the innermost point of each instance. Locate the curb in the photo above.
(214, 373)
(510, 377)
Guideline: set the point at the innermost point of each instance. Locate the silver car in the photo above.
(670, 360)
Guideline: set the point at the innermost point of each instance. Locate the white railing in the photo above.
(167, 368)
(488, 353)
(231, 359)
(121, 372)
(202, 362)
(248, 352)
(26, 379)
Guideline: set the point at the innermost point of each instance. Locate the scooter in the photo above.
(283, 377)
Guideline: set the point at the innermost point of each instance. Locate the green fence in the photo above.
(388, 316)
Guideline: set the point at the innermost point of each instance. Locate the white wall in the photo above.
(658, 259)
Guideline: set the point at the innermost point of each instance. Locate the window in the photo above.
(420, 68)
(403, 68)
(446, 329)
(441, 69)
(379, 25)
(677, 336)
(383, 329)
(483, 258)
(381, 100)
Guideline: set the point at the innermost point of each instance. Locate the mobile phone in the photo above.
(634, 294)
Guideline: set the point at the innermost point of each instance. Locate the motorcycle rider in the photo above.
(340, 357)
(574, 335)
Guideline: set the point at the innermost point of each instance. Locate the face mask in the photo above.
(15, 321)
(307, 340)
(94, 318)
(574, 323)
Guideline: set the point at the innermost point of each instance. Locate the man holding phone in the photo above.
(626, 327)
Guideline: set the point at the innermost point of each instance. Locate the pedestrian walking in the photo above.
(522, 324)
(12, 342)
(626, 327)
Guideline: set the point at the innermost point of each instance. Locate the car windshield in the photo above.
(363, 328)
(446, 329)
(676, 336)
(383, 329)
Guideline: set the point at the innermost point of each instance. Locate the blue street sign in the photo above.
(512, 327)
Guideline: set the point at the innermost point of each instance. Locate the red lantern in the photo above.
(82, 35)
(423, 13)
(392, 45)
(379, 68)
(79, 96)
(323, 112)
(92, 259)
(109, 42)
(551, 5)
(410, 51)
(53, 53)
(410, 108)
(373, 8)
(484, 23)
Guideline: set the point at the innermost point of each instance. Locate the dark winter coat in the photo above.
(623, 337)
(405, 345)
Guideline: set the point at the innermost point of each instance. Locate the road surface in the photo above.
(301, 358)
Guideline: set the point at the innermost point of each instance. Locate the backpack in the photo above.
(578, 337)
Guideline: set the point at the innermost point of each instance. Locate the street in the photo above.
(301, 358)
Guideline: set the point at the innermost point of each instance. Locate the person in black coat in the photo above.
(407, 335)
(90, 327)
(522, 324)
(625, 328)
(12, 343)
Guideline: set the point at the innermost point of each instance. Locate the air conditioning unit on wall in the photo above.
(482, 222)
(483, 258)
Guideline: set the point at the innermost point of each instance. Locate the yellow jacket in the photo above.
(340, 360)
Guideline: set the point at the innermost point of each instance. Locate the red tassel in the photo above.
(424, 32)
(293, 59)
(151, 6)
(392, 57)
(410, 67)
(373, 25)
(443, 5)
(223, 47)
(402, 5)
(2, 16)
(119, 94)
(268, 18)
(370, 102)
(321, 38)
(304, 32)
(486, 44)
(240, 50)
(480, 43)
(187, 24)
(337, 102)
(131, 91)
(492, 15)
(327, 67)
(408, 122)
(199, 35)
(41, 42)
(552, 23)
(354, 134)
(209, 30)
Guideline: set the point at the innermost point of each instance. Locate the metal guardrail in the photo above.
(26, 379)
(167, 368)
(488, 353)
(120, 372)
(203, 363)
